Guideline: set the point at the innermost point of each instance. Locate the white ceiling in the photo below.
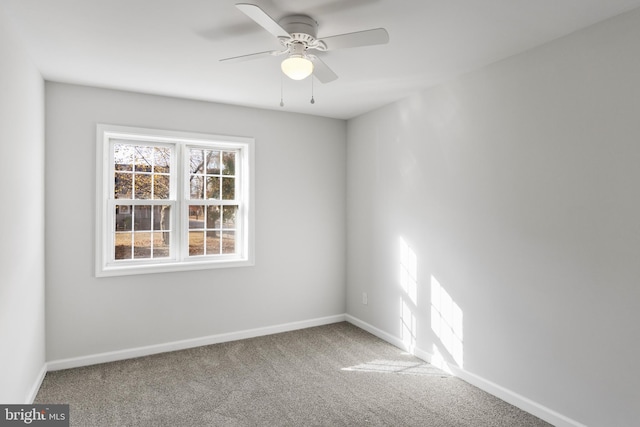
(173, 47)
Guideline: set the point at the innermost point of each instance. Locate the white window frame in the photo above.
(180, 142)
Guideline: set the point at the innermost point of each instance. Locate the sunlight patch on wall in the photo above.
(409, 299)
(437, 359)
(447, 321)
(408, 271)
(409, 327)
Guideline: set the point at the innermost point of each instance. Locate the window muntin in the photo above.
(172, 201)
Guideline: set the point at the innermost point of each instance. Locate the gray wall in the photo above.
(22, 329)
(517, 189)
(300, 228)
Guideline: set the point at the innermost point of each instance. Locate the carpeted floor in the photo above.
(334, 375)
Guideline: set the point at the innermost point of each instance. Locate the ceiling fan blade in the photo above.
(321, 70)
(360, 38)
(252, 56)
(261, 18)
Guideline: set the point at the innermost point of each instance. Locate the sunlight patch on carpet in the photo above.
(398, 367)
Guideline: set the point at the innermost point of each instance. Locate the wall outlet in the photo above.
(364, 298)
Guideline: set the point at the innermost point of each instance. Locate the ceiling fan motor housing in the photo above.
(302, 29)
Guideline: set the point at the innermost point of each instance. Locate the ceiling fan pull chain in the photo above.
(313, 101)
(281, 91)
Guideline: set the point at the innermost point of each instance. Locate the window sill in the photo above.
(169, 267)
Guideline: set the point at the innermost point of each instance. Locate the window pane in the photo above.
(213, 162)
(196, 243)
(123, 218)
(196, 160)
(213, 217)
(161, 242)
(123, 245)
(123, 157)
(141, 245)
(142, 218)
(228, 188)
(161, 186)
(162, 160)
(213, 187)
(229, 163)
(213, 242)
(196, 185)
(162, 218)
(229, 216)
(143, 158)
(196, 217)
(142, 186)
(229, 242)
(122, 185)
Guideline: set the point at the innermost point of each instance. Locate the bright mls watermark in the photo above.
(34, 415)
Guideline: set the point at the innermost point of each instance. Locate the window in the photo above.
(170, 201)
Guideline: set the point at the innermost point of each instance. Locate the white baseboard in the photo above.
(516, 399)
(113, 356)
(33, 392)
(503, 393)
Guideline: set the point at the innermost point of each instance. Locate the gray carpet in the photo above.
(334, 375)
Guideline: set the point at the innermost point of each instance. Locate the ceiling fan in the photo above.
(298, 35)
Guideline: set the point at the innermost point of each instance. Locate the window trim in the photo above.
(181, 141)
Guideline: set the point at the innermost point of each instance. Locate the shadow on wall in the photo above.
(446, 317)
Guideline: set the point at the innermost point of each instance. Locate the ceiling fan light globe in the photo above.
(297, 67)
